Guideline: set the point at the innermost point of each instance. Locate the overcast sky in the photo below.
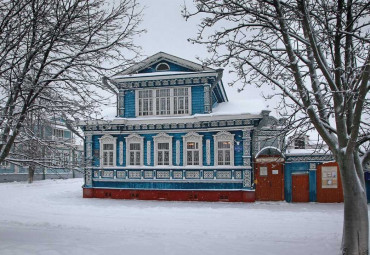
(168, 31)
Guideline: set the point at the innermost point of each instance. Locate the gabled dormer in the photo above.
(164, 85)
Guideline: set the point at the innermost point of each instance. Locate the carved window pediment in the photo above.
(224, 135)
(192, 136)
(107, 139)
(162, 137)
(134, 138)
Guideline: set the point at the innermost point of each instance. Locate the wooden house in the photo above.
(167, 142)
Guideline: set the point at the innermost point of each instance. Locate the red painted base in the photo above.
(171, 195)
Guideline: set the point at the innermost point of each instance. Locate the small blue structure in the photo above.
(303, 162)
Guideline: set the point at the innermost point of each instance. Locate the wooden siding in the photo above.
(129, 104)
(197, 100)
(96, 150)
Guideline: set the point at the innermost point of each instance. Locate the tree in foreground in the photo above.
(53, 54)
(315, 55)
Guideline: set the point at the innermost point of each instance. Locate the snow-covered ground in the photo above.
(51, 217)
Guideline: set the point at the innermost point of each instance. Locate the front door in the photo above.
(269, 181)
(300, 187)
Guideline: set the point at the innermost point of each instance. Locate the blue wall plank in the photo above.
(312, 180)
(129, 104)
(197, 99)
(67, 134)
(238, 148)
(96, 150)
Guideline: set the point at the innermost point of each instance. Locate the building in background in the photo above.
(59, 155)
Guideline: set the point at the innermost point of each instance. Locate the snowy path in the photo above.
(50, 217)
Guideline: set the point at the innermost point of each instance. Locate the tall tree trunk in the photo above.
(31, 173)
(355, 238)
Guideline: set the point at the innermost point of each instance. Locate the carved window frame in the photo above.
(162, 138)
(224, 136)
(108, 139)
(134, 138)
(192, 137)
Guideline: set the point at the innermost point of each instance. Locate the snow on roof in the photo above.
(237, 107)
(305, 151)
(168, 73)
(164, 56)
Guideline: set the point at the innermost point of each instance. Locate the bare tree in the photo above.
(53, 54)
(315, 56)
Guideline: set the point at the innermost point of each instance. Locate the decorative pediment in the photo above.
(135, 138)
(223, 135)
(192, 136)
(153, 63)
(107, 139)
(162, 137)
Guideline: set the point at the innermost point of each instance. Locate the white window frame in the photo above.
(108, 139)
(151, 101)
(154, 102)
(134, 138)
(223, 136)
(58, 133)
(168, 102)
(192, 137)
(162, 138)
(176, 98)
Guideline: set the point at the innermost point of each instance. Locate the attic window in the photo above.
(299, 143)
(163, 67)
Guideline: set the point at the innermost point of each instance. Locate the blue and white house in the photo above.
(167, 141)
